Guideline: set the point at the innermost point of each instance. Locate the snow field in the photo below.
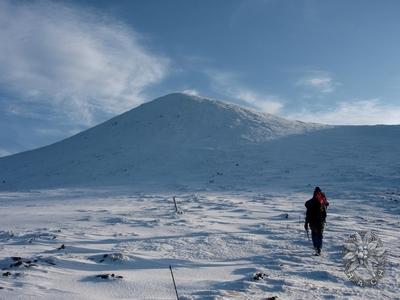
(215, 247)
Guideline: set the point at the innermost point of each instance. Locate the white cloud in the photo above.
(73, 60)
(269, 104)
(191, 92)
(364, 112)
(228, 83)
(55, 132)
(4, 152)
(318, 81)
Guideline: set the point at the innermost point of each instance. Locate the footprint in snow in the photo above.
(109, 258)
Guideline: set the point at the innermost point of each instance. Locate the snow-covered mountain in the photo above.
(179, 140)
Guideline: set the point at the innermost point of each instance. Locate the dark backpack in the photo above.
(316, 212)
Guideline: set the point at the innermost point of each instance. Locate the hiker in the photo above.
(315, 218)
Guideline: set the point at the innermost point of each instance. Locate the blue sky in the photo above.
(68, 65)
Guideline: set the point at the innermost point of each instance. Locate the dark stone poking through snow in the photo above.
(7, 274)
(109, 276)
(272, 298)
(22, 262)
(62, 247)
(16, 258)
(17, 264)
(259, 276)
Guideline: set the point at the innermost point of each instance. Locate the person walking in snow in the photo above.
(315, 218)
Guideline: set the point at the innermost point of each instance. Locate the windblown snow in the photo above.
(92, 216)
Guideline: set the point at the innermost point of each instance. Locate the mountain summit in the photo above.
(181, 119)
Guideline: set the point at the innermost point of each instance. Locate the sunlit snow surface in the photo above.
(215, 247)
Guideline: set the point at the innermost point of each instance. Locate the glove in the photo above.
(306, 226)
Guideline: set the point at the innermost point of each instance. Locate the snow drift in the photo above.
(181, 140)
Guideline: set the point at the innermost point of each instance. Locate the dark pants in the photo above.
(316, 235)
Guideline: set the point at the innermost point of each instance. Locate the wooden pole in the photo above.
(176, 207)
(173, 280)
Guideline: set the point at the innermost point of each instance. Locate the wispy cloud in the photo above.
(191, 92)
(228, 83)
(4, 152)
(72, 60)
(361, 112)
(55, 132)
(318, 81)
(269, 104)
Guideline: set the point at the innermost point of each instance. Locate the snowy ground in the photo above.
(215, 247)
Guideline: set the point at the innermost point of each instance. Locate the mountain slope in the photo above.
(180, 140)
